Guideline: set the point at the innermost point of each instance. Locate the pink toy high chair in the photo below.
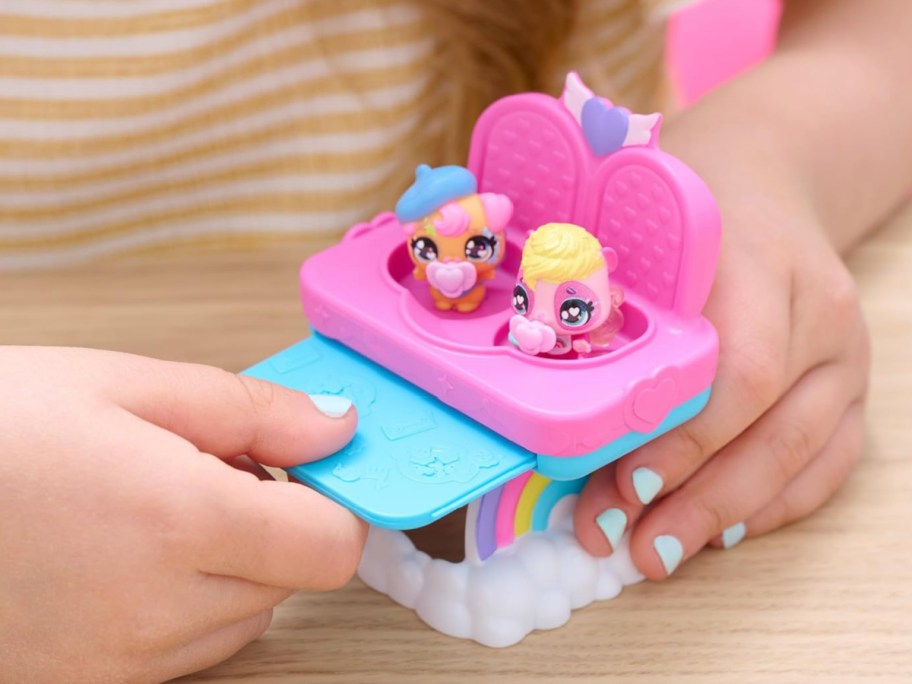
(426, 381)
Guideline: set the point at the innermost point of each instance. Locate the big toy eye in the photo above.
(575, 312)
(521, 299)
(479, 248)
(424, 249)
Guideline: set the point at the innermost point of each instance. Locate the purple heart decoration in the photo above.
(604, 127)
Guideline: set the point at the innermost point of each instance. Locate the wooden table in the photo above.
(828, 599)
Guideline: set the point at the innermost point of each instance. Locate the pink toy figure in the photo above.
(456, 236)
(563, 298)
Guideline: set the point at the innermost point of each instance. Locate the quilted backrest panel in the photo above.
(528, 147)
(647, 205)
(638, 215)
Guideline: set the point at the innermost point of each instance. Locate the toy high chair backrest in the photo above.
(577, 159)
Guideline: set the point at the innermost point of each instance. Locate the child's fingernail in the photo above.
(647, 483)
(331, 405)
(733, 535)
(612, 522)
(670, 551)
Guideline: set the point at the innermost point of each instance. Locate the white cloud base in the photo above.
(533, 584)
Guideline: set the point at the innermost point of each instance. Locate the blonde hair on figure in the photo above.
(557, 252)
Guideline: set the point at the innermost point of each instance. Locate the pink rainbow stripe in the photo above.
(506, 512)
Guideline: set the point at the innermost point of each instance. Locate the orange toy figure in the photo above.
(456, 236)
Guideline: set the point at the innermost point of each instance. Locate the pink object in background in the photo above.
(710, 42)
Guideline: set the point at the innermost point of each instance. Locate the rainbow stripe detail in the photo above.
(522, 505)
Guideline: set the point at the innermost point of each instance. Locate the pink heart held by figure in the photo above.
(452, 279)
(532, 337)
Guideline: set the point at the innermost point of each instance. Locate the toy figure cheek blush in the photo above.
(517, 324)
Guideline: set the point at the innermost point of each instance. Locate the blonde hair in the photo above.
(557, 252)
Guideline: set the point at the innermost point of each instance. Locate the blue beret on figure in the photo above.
(432, 189)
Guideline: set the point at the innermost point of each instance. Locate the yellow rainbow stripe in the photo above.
(526, 505)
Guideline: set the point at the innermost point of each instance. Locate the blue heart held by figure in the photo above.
(604, 127)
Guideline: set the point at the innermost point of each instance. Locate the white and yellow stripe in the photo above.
(125, 125)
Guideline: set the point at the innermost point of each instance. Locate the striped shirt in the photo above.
(147, 123)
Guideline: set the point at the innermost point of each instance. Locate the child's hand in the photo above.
(129, 549)
(784, 424)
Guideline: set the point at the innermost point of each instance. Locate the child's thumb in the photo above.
(295, 427)
(229, 415)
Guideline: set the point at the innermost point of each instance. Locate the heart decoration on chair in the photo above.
(604, 126)
(650, 400)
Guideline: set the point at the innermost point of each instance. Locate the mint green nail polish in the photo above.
(647, 483)
(331, 405)
(670, 551)
(612, 522)
(733, 535)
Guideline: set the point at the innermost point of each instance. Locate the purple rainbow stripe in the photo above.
(485, 538)
(505, 528)
(495, 526)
